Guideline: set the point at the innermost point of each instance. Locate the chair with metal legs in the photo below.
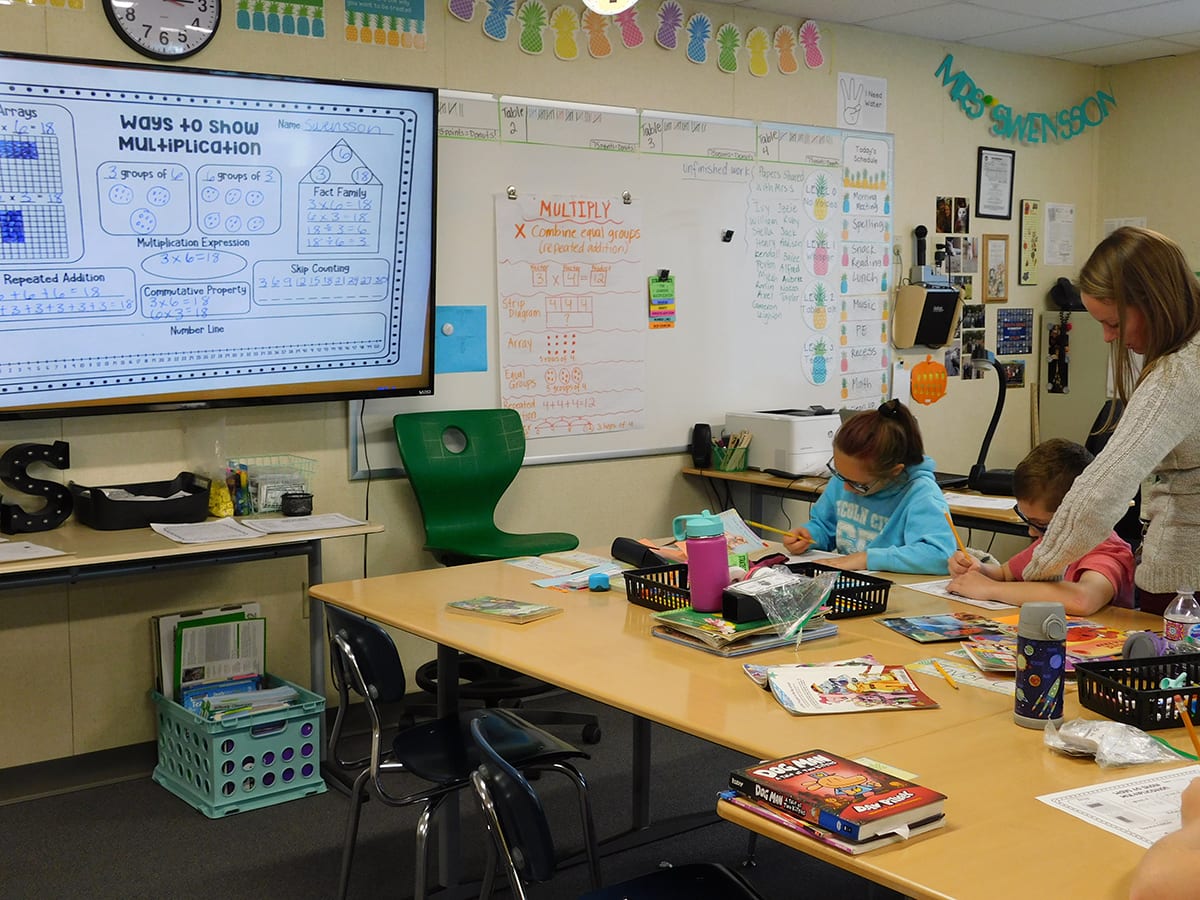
(440, 752)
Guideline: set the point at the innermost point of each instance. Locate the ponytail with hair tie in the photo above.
(891, 409)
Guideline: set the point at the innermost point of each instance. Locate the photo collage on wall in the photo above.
(956, 255)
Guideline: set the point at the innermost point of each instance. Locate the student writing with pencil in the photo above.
(1102, 575)
(882, 508)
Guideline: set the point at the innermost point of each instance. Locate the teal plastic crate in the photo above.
(244, 763)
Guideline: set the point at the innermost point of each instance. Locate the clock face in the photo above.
(164, 29)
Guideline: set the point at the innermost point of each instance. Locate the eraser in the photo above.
(598, 581)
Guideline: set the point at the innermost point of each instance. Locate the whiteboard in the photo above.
(779, 237)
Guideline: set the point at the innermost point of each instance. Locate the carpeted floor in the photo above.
(134, 839)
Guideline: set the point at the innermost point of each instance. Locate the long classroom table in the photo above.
(970, 749)
(809, 488)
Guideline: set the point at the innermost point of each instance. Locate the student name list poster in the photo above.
(571, 313)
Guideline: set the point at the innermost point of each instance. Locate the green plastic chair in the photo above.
(460, 463)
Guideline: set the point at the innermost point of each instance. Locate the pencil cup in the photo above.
(729, 460)
(1041, 662)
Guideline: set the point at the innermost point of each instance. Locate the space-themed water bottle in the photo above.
(1041, 662)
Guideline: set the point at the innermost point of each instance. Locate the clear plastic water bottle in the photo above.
(1181, 622)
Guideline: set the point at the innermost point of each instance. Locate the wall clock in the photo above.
(164, 29)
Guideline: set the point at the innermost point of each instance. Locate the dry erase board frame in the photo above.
(185, 238)
(742, 341)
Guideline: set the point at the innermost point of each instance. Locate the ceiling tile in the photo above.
(952, 22)
(1151, 21)
(1063, 9)
(1133, 51)
(1049, 40)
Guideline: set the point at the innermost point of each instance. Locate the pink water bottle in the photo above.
(708, 558)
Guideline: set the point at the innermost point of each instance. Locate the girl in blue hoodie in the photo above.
(882, 508)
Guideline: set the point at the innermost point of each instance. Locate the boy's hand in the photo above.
(797, 541)
(854, 562)
(961, 563)
(973, 584)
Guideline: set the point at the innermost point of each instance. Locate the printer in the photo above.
(788, 441)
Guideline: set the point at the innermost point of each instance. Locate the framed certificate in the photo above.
(994, 183)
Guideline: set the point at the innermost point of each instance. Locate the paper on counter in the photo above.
(14, 551)
(541, 566)
(978, 501)
(291, 524)
(227, 529)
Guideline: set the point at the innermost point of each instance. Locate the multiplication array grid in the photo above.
(33, 223)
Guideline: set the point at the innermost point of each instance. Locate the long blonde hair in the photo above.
(1142, 269)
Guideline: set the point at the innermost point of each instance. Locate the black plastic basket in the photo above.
(659, 588)
(854, 594)
(1127, 690)
(666, 587)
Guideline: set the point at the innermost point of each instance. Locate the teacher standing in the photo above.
(1138, 285)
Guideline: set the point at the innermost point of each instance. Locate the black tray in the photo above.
(666, 587)
(1127, 690)
(97, 511)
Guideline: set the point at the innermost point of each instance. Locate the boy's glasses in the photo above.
(861, 487)
(1039, 527)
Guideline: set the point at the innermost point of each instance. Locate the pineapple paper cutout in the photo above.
(844, 339)
(565, 22)
(758, 42)
(845, 390)
(820, 256)
(821, 200)
(596, 26)
(670, 19)
(463, 10)
(810, 38)
(729, 39)
(532, 15)
(785, 50)
(631, 31)
(819, 362)
(495, 23)
(699, 29)
(820, 313)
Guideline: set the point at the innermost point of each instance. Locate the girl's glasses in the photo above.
(1039, 527)
(861, 487)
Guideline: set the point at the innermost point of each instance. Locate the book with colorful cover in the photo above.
(502, 609)
(824, 836)
(715, 630)
(755, 643)
(1087, 641)
(941, 627)
(846, 689)
(850, 799)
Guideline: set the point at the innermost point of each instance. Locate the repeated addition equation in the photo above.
(34, 295)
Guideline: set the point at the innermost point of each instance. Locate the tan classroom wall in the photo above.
(75, 662)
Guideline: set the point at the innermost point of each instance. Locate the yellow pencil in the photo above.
(767, 527)
(1187, 723)
(957, 539)
(950, 681)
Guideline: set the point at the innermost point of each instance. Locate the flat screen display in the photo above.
(173, 238)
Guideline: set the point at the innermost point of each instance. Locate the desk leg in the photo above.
(756, 504)
(316, 633)
(449, 826)
(641, 773)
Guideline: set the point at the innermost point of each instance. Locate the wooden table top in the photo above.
(991, 769)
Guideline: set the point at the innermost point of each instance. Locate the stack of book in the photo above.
(213, 662)
(845, 804)
(713, 633)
